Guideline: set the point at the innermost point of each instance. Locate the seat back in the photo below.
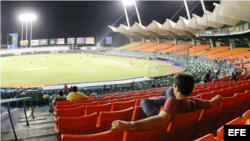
(196, 96)
(217, 92)
(206, 121)
(65, 106)
(76, 125)
(106, 118)
(122, 105)
(100, 99)
(141, 97)
(224, 112)
(194, 92)
(182, 126)
(226, 92)
(138, 114)
(220, 131)
(246, 116)
(71, 112)
(106, 101)
(239, 103)
(206, 96)
(98, 108)
(210, 89)
(153, 135)
(138, 102)
(83, 101)
(104, 136)
(90, 103)
(202, 91)
(209, 137)
(64, 103)
(125, 99)
(116, 97)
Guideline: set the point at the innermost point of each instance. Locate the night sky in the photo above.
(62, 19)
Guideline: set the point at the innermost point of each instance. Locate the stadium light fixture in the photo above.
(27, 18)
(127, 3)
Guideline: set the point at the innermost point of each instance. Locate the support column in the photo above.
(232, 43)
(192, 37)
(248, 39)
(175, 41)
(212, 42)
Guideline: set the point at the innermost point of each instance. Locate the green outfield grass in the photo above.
(66, 68)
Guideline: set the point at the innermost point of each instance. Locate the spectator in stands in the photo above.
(54, 95)
(233, 77)
(153, 85)
(151, 106)
(75, 95)
(12, 95)
(29, 89)
(46, 95)
(59, 98)
(207, 77)
(93, 93)
(70, 89)
(21, 90)
(228, 74)
(65, 88)
(183, 86)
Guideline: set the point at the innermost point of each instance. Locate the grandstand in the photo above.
(218, 41)
(159, 47)
(128, 46)
(143, 46)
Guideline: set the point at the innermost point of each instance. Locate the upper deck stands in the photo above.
(129, 46)
(246, 54)
(228, 53)
(199, 48)
(161, 46)
(212, 51)
(143, 46)
(176, 47)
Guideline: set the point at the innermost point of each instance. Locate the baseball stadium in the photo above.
(172, 78)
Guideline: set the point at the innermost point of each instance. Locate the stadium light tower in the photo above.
(127, 3)
(26, 18)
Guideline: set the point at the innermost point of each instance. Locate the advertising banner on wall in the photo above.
(80, 40)
(52, 41)
(24, 43)
(90, 40)
(60, 41)
(34, 42)
(43, 42)
(14, 40)
(108, 40)
(70, 40)
(65, 51)
(54, 51)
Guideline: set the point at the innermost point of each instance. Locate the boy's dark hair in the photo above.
(61, 93)
(185, 82)
(74, 88)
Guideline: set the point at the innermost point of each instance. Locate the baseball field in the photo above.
(67, 68)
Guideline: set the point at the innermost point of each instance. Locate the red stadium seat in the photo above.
(97, 108)
(90, 103)
(153, 135)
(138, 102)
(206, 96)
(206, 121)
(65, 106)
(220, 131)
(76, 125)
(125, 99)
(246, 116)
(123, 105)
(100, 99)
(72, 112)
(239, 103)
(209, 137)
(107, 101)
(182, 126)
(210, 89)
(202, 91)
(103, 136)
(226, 92)
(116, 97)
(217, 92)
(141, 97)
(64, 103)
(155, 95)
(106, 118)
(225, 111)
(196, 96)
(138, 114)
(82, 101)
(194, 93)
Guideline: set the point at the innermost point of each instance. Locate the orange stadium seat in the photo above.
(153, 135)
(138, 113)
(239, 103)
(143, 46)
(103, 136)
(246, 115)
(227, 53)
(90, 103)
(205, 122)
(82, 100)
(220, 131)
(182, 126)
(176, 47)
(225, 111)
(76, 125)
(123, 105)
(198, 48)
(211, 51)
(106, 118)
(97, 108)
(206, 96)
(125, 99)
(65, 106)
(141, 97)
(64, 102)
(106, 101)
(209, 137)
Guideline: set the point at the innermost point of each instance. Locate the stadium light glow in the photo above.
(27, 17)
(128, 2)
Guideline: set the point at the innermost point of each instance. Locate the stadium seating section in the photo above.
(143, 46)
(211, 51)
(128, 46)
(159, 47)
(176, 48)
(228, 53)
(96, 124)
